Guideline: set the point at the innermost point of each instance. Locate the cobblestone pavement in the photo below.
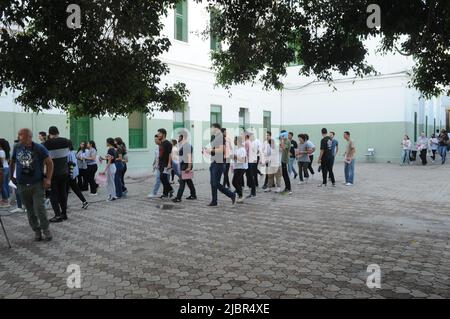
(316, 243)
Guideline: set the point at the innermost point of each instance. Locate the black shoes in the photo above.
(85, 205)
(56, 219)
(191, 198)
(212, 204)
(64, 216)
(38, 235)
(176, 200)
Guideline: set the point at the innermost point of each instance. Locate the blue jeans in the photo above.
(157, 182)
(406, 156)
(216, 172)
(291, 166)
(443, 153)
(118, 179)
(5, 182)
(350, 172)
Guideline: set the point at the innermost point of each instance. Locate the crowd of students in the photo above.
(47, 170)
(246, 157)
(426, 147)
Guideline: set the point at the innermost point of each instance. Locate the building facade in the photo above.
(377, 110)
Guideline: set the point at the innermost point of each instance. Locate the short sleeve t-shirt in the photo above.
(58, 149)
(326, 146)
(30, 163)
(334, 144)
(216, 143)
(92, 153)
(3, 159)
(294, 146)
(164, 152)
(304, 158)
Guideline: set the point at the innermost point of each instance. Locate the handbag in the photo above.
(187, 175)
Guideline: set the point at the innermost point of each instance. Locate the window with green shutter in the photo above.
(181, 21)
(215, 42)
(242, 119)
(80, 130)
(216, 114)
(267, 121)
(136, 130)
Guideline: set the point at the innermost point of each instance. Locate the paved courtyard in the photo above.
(316, 243)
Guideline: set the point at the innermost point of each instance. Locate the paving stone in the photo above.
(264, 248)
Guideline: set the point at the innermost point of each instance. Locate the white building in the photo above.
(376, 110)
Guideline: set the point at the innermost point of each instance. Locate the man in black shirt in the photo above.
(217, 152)
(326, 158)
(58, 148)
(292, 162)
(165, 162)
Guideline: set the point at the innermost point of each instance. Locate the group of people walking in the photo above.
(45, 172)
(425, 147)
(246, 157)
(38, 172)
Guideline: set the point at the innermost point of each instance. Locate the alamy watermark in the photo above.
(374, 19)
(74, 279)
(374, 279)
(74, 19)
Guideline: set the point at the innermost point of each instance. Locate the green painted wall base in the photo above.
(385, 138)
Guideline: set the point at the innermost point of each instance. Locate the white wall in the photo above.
(369, 100)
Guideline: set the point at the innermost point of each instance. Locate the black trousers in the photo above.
(83, 180)
(191, 186)
(303, 170)
(226, 177)
(58, 194)
(327, 169)
(165, 180)
(74, 186)
(423, 156)
(252, 176)
(287, 181)
(125, 168)
(311, 161)
(91, 171)
(237, 181)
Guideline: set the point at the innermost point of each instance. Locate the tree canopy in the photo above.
(263, 36)
(109, 66)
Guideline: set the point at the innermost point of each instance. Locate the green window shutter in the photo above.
(415, 127)
(216, 114)
(215, 42)
(80, 130)
(267, 121)
(136, 134)
(181, 21)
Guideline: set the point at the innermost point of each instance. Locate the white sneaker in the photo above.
(349, 184)
(240, 200)
(267, 190)
(17, 210)
(278, 190)
(152, 196)
(301, 183)
(93, 194)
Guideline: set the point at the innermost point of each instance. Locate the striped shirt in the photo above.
(58, 149)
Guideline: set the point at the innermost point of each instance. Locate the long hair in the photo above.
(93, 145)
(119, 142)
(4, 145)
(80, 148)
